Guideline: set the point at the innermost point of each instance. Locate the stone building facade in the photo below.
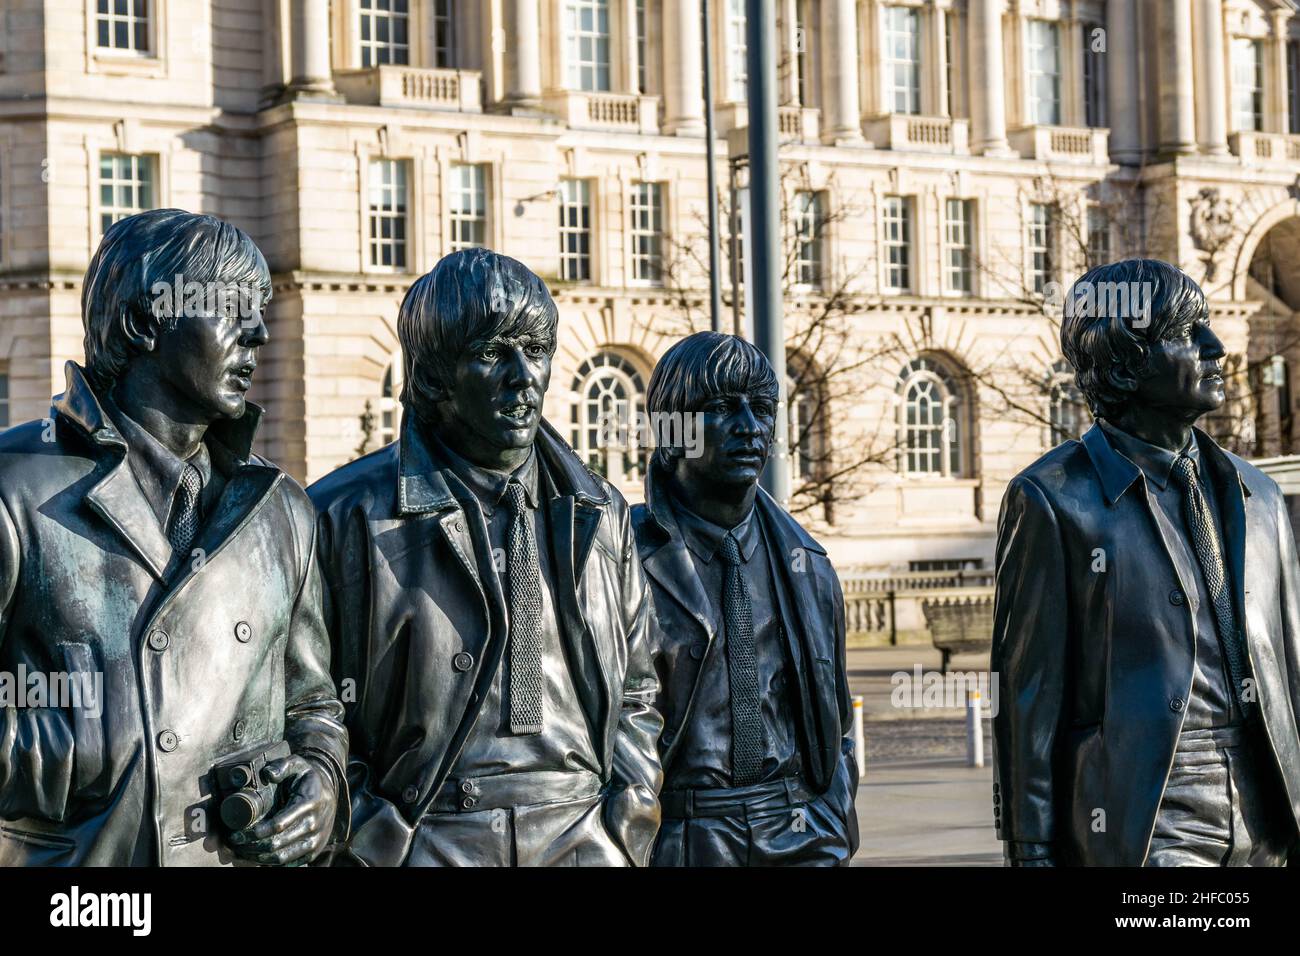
(947, 165)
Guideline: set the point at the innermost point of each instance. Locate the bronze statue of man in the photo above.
(758, 761)
(1147, 619)
(168, 577)
(488, 608)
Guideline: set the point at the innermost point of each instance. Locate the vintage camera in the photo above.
(246, 796)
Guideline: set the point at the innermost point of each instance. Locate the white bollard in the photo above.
(859, 736)
(974, 730)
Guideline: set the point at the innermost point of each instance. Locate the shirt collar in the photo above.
(704, 538)
(156, 470)
(488, 486)
(1156, 463)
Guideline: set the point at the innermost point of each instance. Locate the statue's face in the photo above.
(736, 439)
(1184, 372)
(208, 359)
(494, 403)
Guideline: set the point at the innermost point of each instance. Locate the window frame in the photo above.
(1255, 91)
(614, 364)
(585, 207)
(1032, 72)
(950, 449)
(456, 217)
(967, 223)
(374, 242)
(809, 223)
(1047, 249)
(654, 236)
(151, 161)
(890, 64)
(905, 243)
(362, 13)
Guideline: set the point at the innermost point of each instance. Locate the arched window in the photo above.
(932, 421)
(606, 417)
(390, 409)
(1067, 412)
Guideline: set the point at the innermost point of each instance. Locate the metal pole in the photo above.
(859, 735)
(765, 210)
(710, 152)
(974, 730)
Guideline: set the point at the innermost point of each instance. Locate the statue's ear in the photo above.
(1122, 378)
(436, 390)
(138, 331)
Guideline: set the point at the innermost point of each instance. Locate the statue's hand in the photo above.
(301, 829)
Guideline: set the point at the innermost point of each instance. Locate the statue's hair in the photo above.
(470, 296)
(1113, 314)
(142, 251)
(702, 367)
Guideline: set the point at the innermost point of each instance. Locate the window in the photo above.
(946, 564)
(1067, 412)
(444, 34)
(803, 81)
(1293, 86)
(958, 231)
(897, 222)
(809, 229)
(931, 420)
(385, 32)
(737, 69)
(902, 60)
(807, 436)
(388, 213)
(641, 86)
(1044, 73)
(4, 399)
(468, 205)
(606, 417)
(1039, 242)
(1098, 237)
(647, 232)
(575, 230)
(390, 408)
(1094, 77)
(950, 68)
(126, 186)
(123, 25)
(587, 38)
(1247, 84)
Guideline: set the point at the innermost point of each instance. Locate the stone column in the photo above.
(523, 54)
(1211, 79)
(788, 95)
(1278, 118)
(310, 47)
(684, 68)
(988, 104)
(842, 116)
(1177, 99)
(1122, 82)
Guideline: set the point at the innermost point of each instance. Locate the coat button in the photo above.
(697, 651)
(1176, 705)
(466, 786)
(168, 741)
(241, 727)
(458, 527)
(462, 661)
(411, 794)
(158, 639)
(243, 633)
(668, 735)
(1176, 597)
(469, 803)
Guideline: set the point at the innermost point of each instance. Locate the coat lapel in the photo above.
(120, 502)
(573, 534)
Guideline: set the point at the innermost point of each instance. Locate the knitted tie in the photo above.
(524, 579)
(1209, 555)
(185, 512)
(742, 671)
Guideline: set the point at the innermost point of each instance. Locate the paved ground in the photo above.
(919, 804)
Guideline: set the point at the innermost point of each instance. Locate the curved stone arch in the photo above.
(943, 446)
(1283, 211)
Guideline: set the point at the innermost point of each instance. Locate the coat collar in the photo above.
(1117, 473)
(81, 406)
(422, 485)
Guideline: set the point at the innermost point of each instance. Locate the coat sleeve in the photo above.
(1029, 653)
(844, 784)
(632, 804)
(379, 834)
(37, 770)
(313, 713)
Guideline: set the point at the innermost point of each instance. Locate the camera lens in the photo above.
(242, 809)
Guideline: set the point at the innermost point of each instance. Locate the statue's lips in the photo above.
(243, 375)
(518, 413)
